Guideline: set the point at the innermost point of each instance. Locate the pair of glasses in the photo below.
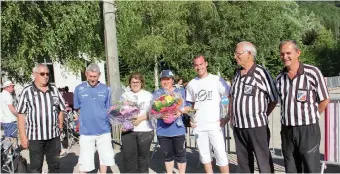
(136, 82)
(238, 54)
(43, 74)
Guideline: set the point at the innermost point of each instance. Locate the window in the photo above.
(48, 62)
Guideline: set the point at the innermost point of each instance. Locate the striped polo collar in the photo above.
(35, 88)
(251, 70)
(300, 70)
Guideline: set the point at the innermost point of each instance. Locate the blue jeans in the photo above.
(10, 129)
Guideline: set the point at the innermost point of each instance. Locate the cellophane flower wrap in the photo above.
(121, 114)
(166, 104)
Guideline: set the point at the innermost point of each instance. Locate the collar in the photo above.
(300, 70)
(88, 85)
(35, 88)
(251, 70)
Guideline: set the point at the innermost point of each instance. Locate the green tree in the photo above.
(60, 31)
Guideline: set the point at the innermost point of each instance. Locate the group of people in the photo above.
(299, 88)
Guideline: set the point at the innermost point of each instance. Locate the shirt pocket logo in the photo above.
(248, 90)
(301, 95)
(55, 100)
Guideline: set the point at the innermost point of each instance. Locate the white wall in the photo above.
(64, 78)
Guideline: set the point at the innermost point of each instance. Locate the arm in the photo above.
(12, 109)
(22, 131)
(21, 108)
(61, 120)
(271, 107)
(322, 105)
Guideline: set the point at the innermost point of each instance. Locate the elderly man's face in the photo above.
(92, 77)
(289, 54)
(242, 57)
(41, 76)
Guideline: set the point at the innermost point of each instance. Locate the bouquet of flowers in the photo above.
(166, 104)
(122, 113)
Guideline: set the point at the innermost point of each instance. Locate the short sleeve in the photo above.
(190, 96)
(62, 105)
(108, 102)
(322, 91)
(22, 105)
(7, 98)
(223, 87)
(76, 102)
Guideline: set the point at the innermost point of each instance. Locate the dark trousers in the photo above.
(39, 148)
(136, 147)
(250, 141)
(300, 148)
(173, 148)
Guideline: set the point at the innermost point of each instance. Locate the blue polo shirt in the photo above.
(93, 103)
(177, 127)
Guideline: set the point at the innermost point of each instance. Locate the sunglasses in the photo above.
(43, 74)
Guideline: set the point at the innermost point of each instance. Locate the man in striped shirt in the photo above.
(303, 96)
(40, 120)
(253, 98)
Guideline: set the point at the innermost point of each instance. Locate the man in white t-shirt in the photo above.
(205, 93)
(7, 110)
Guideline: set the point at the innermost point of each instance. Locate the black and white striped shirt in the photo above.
(251, 94)
(41, 110)
(300, 96)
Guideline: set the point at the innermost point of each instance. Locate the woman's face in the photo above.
(180, 82)
(167, 83)
(135, 85)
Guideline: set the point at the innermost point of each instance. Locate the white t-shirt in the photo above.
(6, 114)
(206, 93)
(143, 99)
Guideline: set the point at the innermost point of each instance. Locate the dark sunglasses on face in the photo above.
(43, 74)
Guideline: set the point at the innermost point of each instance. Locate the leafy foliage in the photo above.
(157, 35)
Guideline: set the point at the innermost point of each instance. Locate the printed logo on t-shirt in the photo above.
(141, 105)
(204, 95)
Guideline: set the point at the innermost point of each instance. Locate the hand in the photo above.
(122, 129)
(165, 116)
(136, 121)
(224, 121)
(177, 113)
(193, 125)
(61, 127)
(24, 142)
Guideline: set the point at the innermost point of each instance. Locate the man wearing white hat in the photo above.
(7, 110)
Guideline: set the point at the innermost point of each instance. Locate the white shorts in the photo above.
(88, 144)
(211, 138)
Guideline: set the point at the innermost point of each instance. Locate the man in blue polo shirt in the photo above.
(93, 99)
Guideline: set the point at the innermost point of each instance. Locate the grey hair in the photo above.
(93, 68)
(289, 41)
(248, 46)
(37, 66)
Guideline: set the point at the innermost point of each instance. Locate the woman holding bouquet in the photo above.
(171, 135)
(136, 142)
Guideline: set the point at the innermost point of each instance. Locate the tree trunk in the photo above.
(155, 73)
